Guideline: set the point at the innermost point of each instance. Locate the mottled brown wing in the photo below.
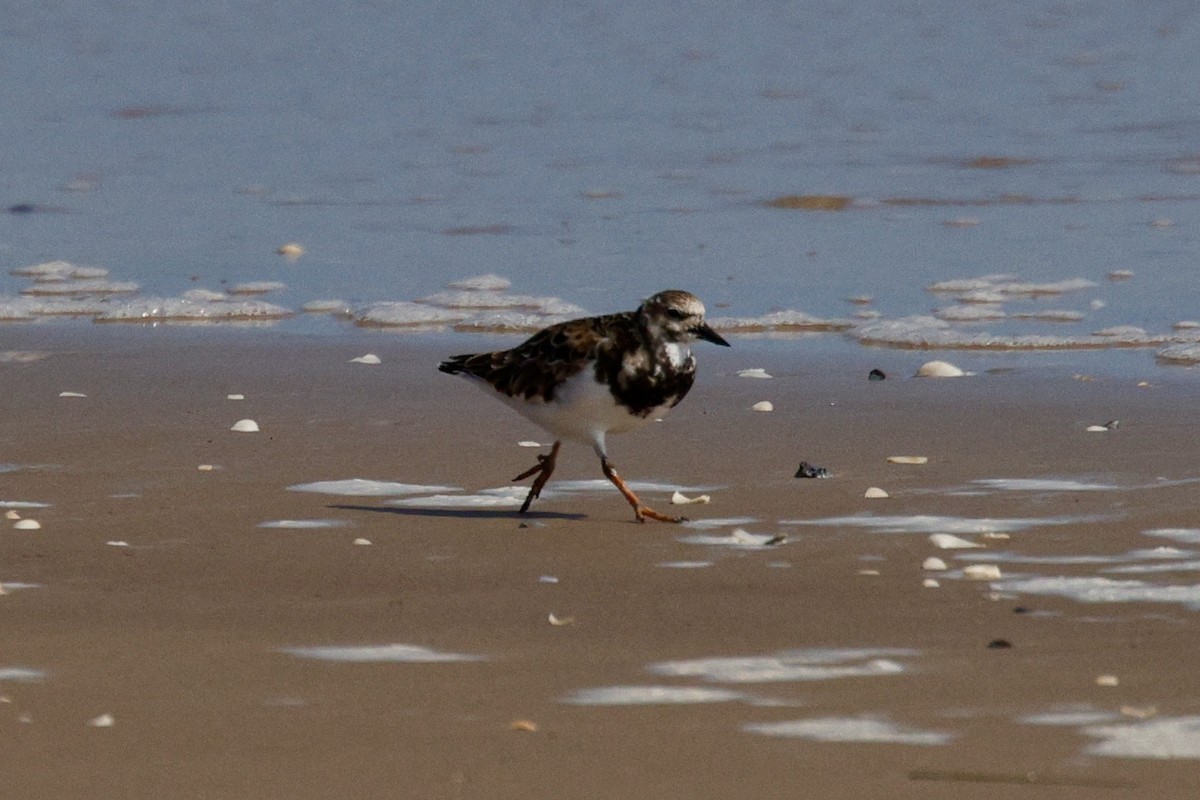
(539, 365)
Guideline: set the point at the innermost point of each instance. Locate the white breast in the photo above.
(583, 411)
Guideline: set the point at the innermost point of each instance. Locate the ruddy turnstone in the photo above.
(584, 379)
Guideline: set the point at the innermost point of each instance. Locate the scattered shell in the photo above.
(245, 426)
(362, 542)
(523, 725)
(868, 572)
(1139, 712)
(680, 499)
(117, 543)
(908, 459)
(235, 397)
(948, 541)
(291, 251)
(103, 721)
(27, 525)
(982, 572)
(369, 358)
(933, 563)
(11, 515)
(71, 394)
(1107, 680)
(807, 470)
(560, 621)
(875, 492)
(528, 443)
(930, 583)
(205, 467)
(939, 369)
(547, 579)
(1097, 429)
(763, 405)
(995, 535)
(755, 372)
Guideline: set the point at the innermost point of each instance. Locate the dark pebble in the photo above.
(807, 470)
(876, 375)
(999, 644)
(22, 208)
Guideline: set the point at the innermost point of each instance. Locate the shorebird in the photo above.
(584, 379)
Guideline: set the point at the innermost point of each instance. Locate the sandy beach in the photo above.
(159, 642)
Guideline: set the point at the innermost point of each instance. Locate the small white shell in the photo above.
(948, 541)
(933, 563)
(875, 492)
(930, 583)
(27, 525)
(528, 443)
(235, 397)
(754, 372)
(71, 394)
(1107, 680)
(103, 721)
(362, 542)
(11, 515)
(560, 621)
(205, 467)
(939, 369)
(245, 426)
(763, 405)
(908, 459)
(117, 543)
(680, 499)
(982, 572)
(291, 251)
(1097, 429)
(369, 358)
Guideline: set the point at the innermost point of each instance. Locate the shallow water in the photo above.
(801, 157)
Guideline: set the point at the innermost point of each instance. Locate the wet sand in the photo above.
(179, 635)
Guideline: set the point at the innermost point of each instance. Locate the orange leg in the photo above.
(542, 469)
(640, 511)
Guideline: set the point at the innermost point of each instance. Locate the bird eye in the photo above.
(675, 313)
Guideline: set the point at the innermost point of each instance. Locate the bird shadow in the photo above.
(461, 513)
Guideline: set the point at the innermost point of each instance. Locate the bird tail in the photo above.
(454, 365)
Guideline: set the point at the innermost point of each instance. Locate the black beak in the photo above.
(709, 335)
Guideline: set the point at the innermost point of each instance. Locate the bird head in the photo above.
(679, 317)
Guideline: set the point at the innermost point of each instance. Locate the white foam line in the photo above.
(921, 523)
(361, 487)
(865, 730)
(797, 665)
(1102, 590)
(1156, 554)
(1163, 738)
(1071, 717)
(506, 497)
(650, 695)
(304, 523)
(21, 674)
(602, 485)
(383, 653)
(1185, 535)
(22, 504)
(684, 564)
(1043, 485)
(726, 522)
